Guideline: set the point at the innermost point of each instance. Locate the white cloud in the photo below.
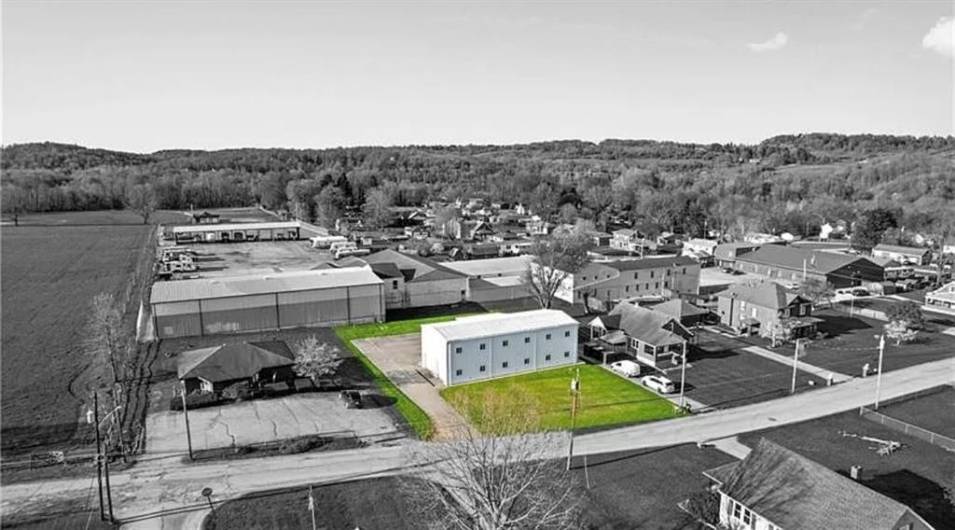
(778, 41)
(940, 38)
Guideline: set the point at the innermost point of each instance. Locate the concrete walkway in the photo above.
(822, 373)
(398, 357)
(732, 447)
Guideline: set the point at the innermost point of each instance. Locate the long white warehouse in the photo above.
(498, 344)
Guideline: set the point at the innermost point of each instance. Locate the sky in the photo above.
(143, 76)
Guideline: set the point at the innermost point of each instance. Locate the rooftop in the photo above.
(262, 283)
(491, 267)
(492, 324)
(228, 362)
(764, 293)
(644, 324)
(648, 263)
(796, 258)
(226, 227)
(414, 268)
(901, 249)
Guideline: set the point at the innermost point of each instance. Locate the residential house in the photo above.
(536, 226)
(774, 488)
(215, 369)
(699, 249)
(902, 254)
(794, 264)
(204, 218)
(498, 344)
(601, 284)
(629, 240)
(763, 307)
(480, 230)
(943, 297)
(414, 281)
(651, 337)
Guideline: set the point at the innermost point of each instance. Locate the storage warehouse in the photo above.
(266, 301)
(226, 232)
(413, 281)
(498, 344)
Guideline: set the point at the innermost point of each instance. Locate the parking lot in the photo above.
(265, 420)
(720, 374)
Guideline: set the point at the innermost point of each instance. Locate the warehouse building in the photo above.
(269, 301)
(794, 264)
(495, 279)
(413, 281)
(498, 344)
(238, 232)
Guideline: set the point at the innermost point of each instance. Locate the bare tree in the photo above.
(555, 259)
(316, 359)
(502, 478)
(15, 202)
(816, 290)
(106, 334)
(141, 198)
(377, 207)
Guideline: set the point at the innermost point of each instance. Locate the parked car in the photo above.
(627, 368)
(352, 399)
(659, 383)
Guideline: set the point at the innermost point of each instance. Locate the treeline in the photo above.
(786, 183)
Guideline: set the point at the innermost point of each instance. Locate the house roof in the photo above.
(648, 263)
(763, 293)
(414, 268)
(492, 324)
(227, 362)
(678, 308)
(513, 266)
(794, 492)
(644, 324)
(793, 258)
(915, 251)
(262, 283)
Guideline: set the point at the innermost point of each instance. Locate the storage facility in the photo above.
(228, 232)
(414, 281)
(267, 301)
(495, 279)
(498, 344)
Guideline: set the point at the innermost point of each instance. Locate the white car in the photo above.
(627, 368)
(659, 383)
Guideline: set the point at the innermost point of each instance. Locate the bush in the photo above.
(195, 401)
(300, 445)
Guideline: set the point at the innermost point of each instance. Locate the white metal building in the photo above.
(226, 232)
(266, 301)
(498, 344)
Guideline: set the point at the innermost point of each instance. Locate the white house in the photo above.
(943, 297)
(498, 344)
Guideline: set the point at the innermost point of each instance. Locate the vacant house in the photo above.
(601, 284)
(216, 368)
(651, 337)
(497, 344)
(774, 488)
(780, 262)
(413, 281)
(902, 254)
(760, 308)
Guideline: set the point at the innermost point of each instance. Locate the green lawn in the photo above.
(412, 413)
(606, 399)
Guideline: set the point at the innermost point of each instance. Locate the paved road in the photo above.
(161, 488)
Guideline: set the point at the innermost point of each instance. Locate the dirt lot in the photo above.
(52, 266)
(230, 259)
(914, 475)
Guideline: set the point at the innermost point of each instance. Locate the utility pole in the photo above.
(574, 393)
(99, 456)
(185, 412)
(109, 494)
(311, 506)
(796, 352)
(683, 378)
(878, 379)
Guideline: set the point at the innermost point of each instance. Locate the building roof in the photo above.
(645, 325)
(794, 492)
(262, 283)
(513, 266)
(794, 258)
(900, 249)
(678, 308)
(228, 362)
(732, 250)
(763, 293)
(492, 324)
(413, 267)
(648, 263)
(236, 227)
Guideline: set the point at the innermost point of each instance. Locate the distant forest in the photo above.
(786, 183)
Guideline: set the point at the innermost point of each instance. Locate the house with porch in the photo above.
(651, 337)
(774, 488)
(764, 308)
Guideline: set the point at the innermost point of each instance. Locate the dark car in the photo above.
(352, 399)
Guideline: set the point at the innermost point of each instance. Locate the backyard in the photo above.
(606, 399)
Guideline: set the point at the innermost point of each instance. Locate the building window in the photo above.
(527, 360)
(651, 274)
(483, 346)
(547, 336)
(457, 350)
(646, 286)
(458, 372)
(684, 270)
(504, 364)
(627, 288)
(547, 357)
(752, 312)
(504, 343)
(394, 284)
(566, 354)
(656, 285)
(482, 368)
(567, 333)
(527, 340)
(648, 349)
(636, 276)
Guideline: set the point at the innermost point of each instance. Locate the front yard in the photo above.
(606, 399)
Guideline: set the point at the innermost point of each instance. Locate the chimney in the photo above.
(855, 473)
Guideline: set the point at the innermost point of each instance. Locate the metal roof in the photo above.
(512, 266)
(494, 324)
(648, 263)
(236, 227)
(263, 283)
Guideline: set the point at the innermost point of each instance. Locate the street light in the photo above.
(207, 493)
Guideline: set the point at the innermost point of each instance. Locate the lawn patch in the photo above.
(606, 399)
(411, 412)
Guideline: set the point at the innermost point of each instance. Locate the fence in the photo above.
(913, 430)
